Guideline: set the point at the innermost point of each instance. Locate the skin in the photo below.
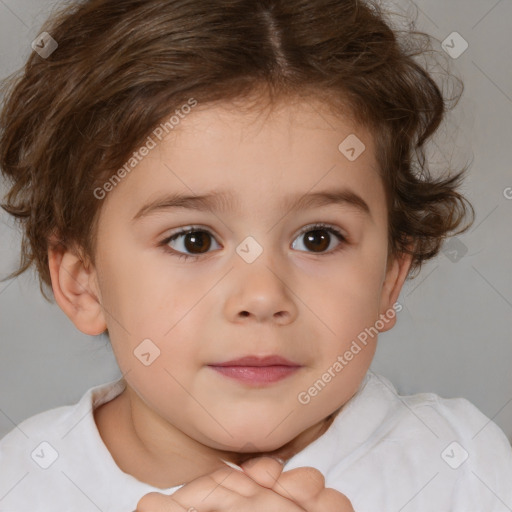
(177, 416)
(261, 486)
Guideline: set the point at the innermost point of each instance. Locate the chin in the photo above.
(250, 446)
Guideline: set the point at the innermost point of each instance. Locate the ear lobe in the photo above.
(71, 283)
(395, 277)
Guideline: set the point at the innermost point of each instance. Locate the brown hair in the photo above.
(121, 67)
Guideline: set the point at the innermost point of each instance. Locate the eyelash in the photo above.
(312, 227)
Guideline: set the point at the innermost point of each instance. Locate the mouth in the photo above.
(254, 370)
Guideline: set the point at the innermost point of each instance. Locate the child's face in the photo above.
(305, 297)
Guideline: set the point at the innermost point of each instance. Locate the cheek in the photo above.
(348, 302)
(135, 291)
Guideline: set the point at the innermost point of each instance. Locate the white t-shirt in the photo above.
(386, 452)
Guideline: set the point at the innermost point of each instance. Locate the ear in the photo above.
(396, 273)
(76, 289)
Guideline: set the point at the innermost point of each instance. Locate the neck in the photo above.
(162, 455)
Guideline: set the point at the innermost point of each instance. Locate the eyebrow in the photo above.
(222, 201)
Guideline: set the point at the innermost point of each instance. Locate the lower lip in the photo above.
(256, 374)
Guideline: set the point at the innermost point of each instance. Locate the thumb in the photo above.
(263, 470)
(158, 502)
(331, 499)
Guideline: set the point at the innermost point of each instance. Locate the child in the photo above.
(287, 137)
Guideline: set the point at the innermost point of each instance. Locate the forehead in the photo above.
(260, 159)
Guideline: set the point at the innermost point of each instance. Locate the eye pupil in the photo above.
(318, 238)
(197, 241)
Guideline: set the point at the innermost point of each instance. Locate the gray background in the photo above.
(454, 335)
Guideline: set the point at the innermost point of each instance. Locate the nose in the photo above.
(262, 292)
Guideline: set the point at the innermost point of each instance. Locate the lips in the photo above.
(258, 361)
(257, 371)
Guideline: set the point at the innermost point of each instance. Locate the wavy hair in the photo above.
(121, 67)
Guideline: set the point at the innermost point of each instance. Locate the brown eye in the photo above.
(190, 242)
(319, 239)
(197, 240)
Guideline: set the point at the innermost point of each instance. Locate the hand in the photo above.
(305, 486)
(262, 486)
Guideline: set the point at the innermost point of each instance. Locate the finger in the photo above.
(330, 499)
(236, 481)
(230, 489)
(217, 490)
(301, 485)
(263, 470)
(210, 493)
(157, 502)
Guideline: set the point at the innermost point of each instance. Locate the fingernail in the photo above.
(230, 464)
